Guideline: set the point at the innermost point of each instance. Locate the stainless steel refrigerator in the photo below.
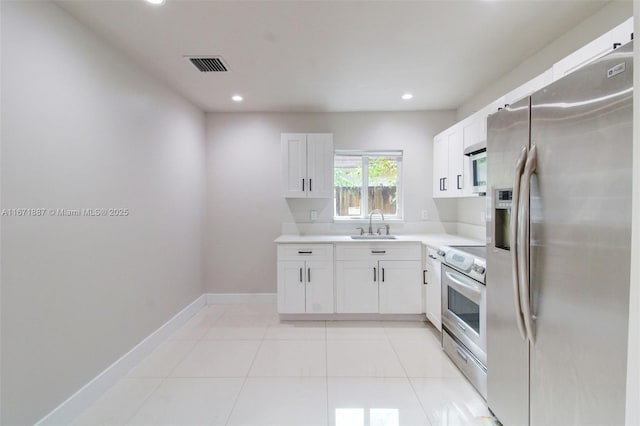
(559, 168)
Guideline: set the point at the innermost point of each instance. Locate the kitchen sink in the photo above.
(373, 237)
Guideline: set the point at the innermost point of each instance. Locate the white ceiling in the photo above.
(332, 55)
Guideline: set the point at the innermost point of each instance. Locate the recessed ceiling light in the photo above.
(407, 96)
(237, 98)
(155, 1)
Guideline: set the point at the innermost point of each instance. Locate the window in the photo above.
(376, 174)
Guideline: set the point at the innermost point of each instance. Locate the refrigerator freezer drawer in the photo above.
(466, 362)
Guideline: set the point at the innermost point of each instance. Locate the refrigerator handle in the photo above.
(513, 241)
(523, 243)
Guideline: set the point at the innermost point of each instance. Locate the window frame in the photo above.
(364, 157)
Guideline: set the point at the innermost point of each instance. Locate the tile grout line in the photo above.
(326, 371)
(135, 413)
(235, 401)
(163, 380)
(424, 411)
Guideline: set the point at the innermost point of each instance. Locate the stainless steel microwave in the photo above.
(478, 166)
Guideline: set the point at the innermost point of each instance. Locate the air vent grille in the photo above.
(209, 64)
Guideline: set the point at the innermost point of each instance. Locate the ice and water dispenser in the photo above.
(502, 217)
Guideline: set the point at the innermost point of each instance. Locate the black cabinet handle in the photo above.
(382, 274)
(441, 184)
(300, 274)
(304, 252)
(308, 275)
(310, 187)
(616, 45)
(378, 251)
(375, 278)
(424, 277)
(458, 181)
(444, 183)
(303, 184)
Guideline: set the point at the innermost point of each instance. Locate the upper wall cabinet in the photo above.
(452, 170)
(615, 38)
(307, 165)
(448, 164)
(529, 87)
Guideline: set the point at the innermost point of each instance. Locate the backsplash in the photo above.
(341, 228)
(397, 228)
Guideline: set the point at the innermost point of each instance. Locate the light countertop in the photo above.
(432, 240)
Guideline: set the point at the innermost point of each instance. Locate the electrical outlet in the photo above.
(314, 215)
(425, 215)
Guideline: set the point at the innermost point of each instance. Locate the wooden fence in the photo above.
(380, 197)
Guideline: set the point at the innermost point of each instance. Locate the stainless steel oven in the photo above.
(464, 311)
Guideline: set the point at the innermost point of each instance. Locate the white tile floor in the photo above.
(240, 365)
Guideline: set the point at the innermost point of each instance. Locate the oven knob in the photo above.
(479, 269)
(441, 253)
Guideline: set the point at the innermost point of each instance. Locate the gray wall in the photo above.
(82, 127)
(245, 205)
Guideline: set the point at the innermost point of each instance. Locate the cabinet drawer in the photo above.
(381, 251)
(305, 251)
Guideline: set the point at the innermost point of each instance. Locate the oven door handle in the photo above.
(523, 244)
(469, 287)
(513, 240)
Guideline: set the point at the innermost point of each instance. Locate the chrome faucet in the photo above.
(370, 215)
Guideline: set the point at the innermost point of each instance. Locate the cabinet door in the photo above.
(320, 165)
(294, 164)
(400, 287)
(319, 296)
(583, 56)
(440, 165)
(434, 292)
(455, 182)
(533, 85)
(357, 287)
(622, 33)
(291, 287)
(474, 129)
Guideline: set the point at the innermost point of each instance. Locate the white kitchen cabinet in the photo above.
(448, 164)
(305, 279)
(529, 87)
(434, 289)
(399, 287)
(440, 164)
(378, 278)
(602, 45)
(357, 286)
(623, 33)
(307, 165)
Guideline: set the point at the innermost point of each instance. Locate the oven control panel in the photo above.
(465, 262)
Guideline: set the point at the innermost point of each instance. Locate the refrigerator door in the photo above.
(507, 351)
(580, 244)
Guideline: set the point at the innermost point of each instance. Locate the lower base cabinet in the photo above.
(434, 289)
(400, 289)
(305, 284)
(356, 287)
(371, 279)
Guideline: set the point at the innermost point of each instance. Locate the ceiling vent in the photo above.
(208, 63)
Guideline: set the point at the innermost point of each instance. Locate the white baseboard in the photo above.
(70, 409)
(232, 298)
